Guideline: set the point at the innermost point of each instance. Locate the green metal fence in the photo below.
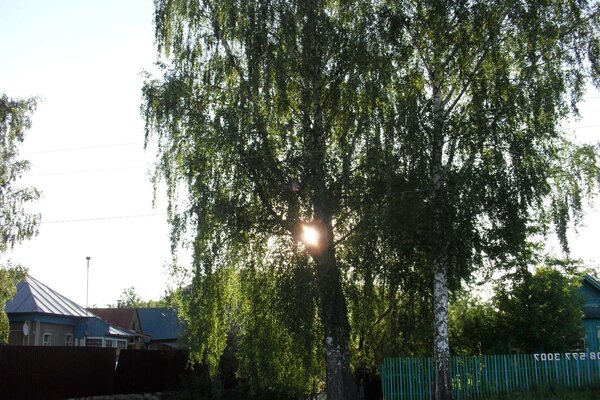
(480, 376)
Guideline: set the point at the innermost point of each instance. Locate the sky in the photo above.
(84, 59)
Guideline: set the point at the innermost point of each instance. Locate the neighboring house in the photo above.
(590, 289)
(163, 326)
(40, 316)
(125, 318)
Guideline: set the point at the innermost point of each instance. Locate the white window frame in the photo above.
(94, 338)
(47, 339)
(115, 343)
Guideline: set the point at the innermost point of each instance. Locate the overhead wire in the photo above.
(103, 218)
(94, 147)
(85, 171)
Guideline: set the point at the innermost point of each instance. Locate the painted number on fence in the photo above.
(566, 356)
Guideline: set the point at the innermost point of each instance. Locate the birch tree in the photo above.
(259, 118)
(16, 223)
(275, 116)
(481, 90)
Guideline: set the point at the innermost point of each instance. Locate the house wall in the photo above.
(592, 331)
(16, 336)
(58, 332)
(591, 296)
(58, 328)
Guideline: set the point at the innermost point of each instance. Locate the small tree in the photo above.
(131, 299)
(9, 277)
(16, 224)
(540, 311)
(473, 326)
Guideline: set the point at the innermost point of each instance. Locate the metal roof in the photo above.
(34, 297)
(593, 282)
(121, 317)
(116, 331)
(161, 323)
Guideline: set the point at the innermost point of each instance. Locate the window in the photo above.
(47, 339)
(94, 342)
(121, 344)
(109, 343)
(69, 339)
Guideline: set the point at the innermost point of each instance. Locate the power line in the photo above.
(101, 146)
(64, 221)
(83, 171)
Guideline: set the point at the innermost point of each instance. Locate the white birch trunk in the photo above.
(439, 255)
(441, 344)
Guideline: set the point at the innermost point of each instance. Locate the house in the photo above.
(40, 316)
(590, 290)
(163, 326)
(124, 318)
(155, 328)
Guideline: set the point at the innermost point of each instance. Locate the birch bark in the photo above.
(439, 254)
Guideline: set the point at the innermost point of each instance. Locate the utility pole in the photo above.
(87, 291)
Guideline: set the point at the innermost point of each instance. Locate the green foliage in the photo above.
(482, 89)
(541, 311)
(16, 224)
(131, 299)
(423, 136)
(280, 349)
(474, 327)
(9, 277)
(259, 118)
(528, 312)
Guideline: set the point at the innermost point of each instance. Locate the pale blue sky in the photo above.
(84, 58)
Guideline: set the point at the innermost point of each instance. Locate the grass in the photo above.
(589, 393)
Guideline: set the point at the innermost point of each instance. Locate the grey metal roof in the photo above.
(116, 331)
(34, 297)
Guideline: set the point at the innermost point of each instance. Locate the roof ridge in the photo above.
(34, 296)
(592, 281)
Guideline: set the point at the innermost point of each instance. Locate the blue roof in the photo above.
(34, 297)
(161, 323)
(590, 279)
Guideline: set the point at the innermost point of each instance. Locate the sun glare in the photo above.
(310, 236)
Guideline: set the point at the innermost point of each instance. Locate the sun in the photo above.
(310, 236)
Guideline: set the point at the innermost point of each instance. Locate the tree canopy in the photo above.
(529, 312)
(482, 89)
(421, 140)
(16, 224)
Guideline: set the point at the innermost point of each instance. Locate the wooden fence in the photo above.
(36, 372)
(480, 376)
(53, 373)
